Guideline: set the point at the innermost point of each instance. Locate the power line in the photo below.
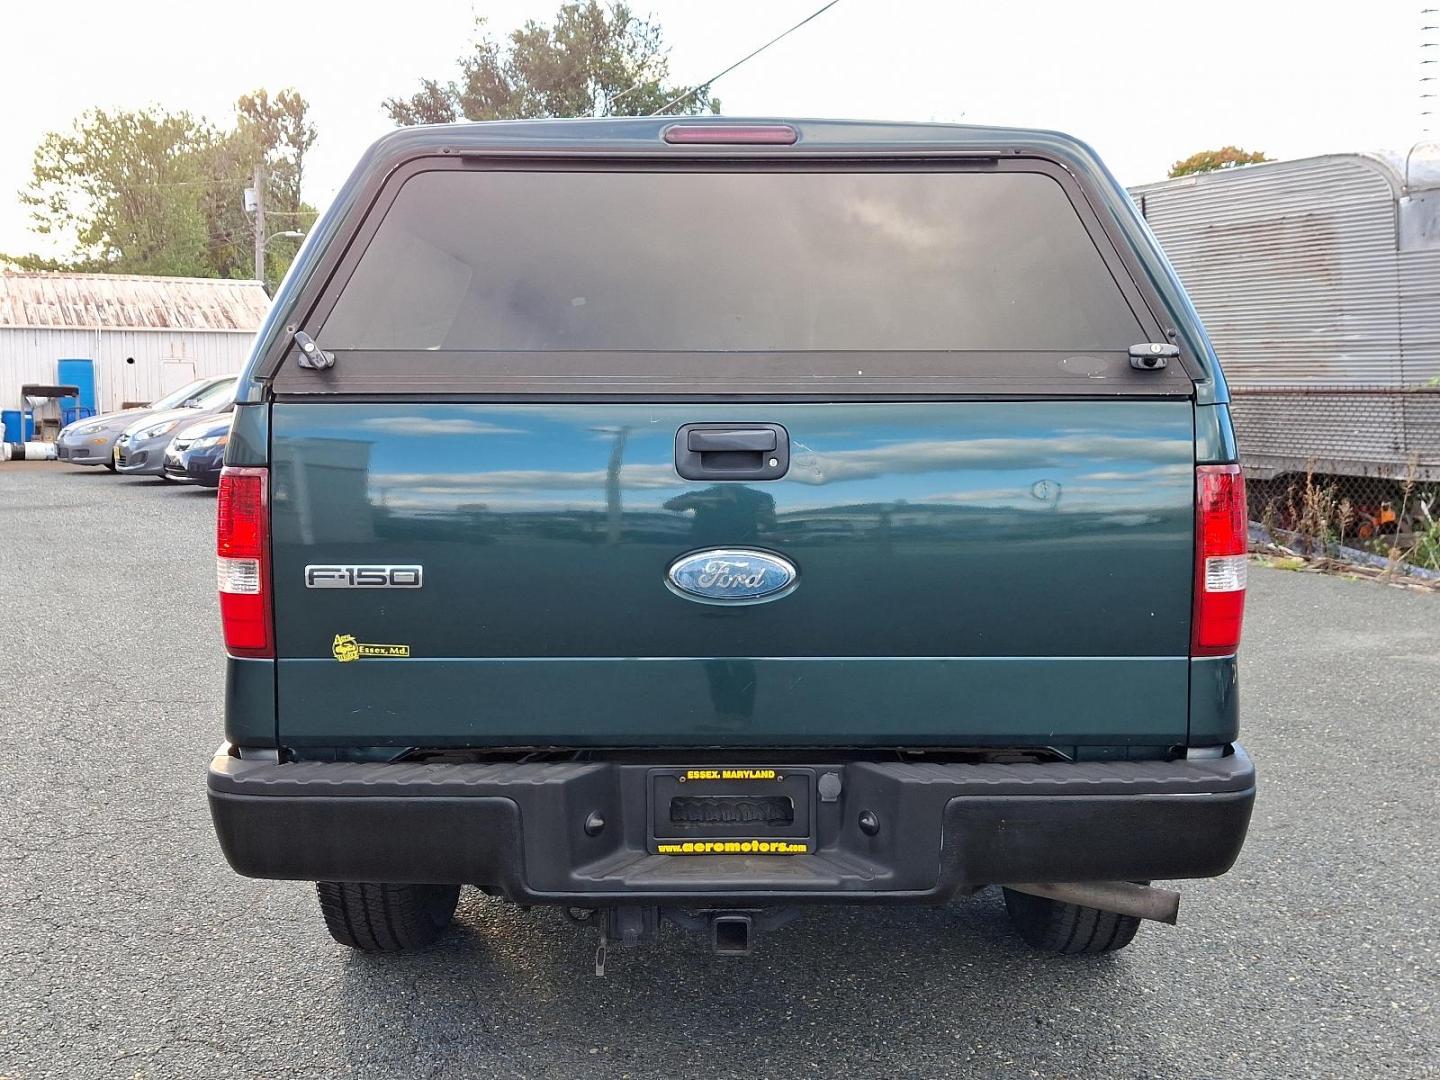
(716, 78)
(610, 104)
(190, 183)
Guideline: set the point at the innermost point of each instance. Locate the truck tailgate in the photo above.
(969, 573)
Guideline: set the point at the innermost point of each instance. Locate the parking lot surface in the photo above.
(129, 949)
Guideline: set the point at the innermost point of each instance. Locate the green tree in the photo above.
(124, 189)
(154, 192)
(593, 61)
(1227, 157)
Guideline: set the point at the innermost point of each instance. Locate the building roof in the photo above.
(56, 300)
(1406, 171)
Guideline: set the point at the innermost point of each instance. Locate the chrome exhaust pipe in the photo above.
(1121, 897)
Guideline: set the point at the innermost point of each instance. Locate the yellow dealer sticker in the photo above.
(732, 847)
(345, 648)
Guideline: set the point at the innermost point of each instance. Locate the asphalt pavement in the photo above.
(129, 949)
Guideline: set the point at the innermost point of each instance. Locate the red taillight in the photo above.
(242, 561)
(1221, 535)
(722, 134)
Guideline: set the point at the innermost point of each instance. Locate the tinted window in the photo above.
(176, 398)
(218, 394)
(769, 261)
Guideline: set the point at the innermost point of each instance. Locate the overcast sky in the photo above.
(1146, 83)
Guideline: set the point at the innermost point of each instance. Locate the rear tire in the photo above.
(375, 917)
(1057, 927)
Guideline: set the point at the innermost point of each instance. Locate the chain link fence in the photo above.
(1355, 466)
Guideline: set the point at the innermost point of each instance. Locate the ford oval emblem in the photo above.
(732, 576)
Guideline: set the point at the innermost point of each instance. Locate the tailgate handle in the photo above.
(732, 451)
(711, 440)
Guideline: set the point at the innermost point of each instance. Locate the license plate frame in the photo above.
(729, 810)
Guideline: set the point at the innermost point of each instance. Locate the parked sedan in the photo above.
(196, 453)
(91, 441)
(140, 450)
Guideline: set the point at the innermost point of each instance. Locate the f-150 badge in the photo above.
(732, 576)
(325, 576)
(345, 648)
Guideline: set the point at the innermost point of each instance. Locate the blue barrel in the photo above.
(10, 418)
(81, 373)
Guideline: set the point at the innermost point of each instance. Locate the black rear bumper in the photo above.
(943, 829)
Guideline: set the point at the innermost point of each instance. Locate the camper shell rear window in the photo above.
(818, 279)
(757, 261)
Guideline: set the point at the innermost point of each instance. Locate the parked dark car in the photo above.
(697, 520)
(197, 452)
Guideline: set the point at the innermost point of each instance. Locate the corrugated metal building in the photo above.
(146, 335)
(1319, 283)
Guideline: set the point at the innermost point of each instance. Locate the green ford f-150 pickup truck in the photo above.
(692, 521)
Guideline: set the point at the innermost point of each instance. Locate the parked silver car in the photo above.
(91, 441)
(140, 449)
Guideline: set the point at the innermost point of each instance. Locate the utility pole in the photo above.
(614, 510)
(260, 223)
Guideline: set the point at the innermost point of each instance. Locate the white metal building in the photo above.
(1319, 282)
(146, 335)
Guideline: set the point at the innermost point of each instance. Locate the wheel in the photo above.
(1058, 927)
(111, 465)
(376, 917)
